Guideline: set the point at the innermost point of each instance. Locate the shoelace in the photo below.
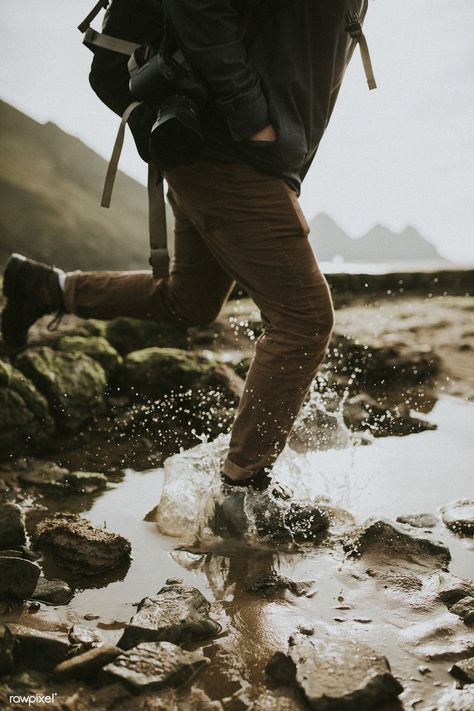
(55, 322)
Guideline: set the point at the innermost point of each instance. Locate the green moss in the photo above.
(96, 347)
(152, 372)
(72, 382)
(24, 414)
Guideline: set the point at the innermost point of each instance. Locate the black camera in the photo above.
(167, 83)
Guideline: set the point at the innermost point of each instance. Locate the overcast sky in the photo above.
(402, 154)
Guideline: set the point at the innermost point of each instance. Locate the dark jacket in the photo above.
(289, 75)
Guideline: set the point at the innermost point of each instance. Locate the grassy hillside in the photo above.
(50, 186)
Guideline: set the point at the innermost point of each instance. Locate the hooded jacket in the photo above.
(288, 74)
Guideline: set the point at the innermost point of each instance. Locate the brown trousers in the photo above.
(234, 223)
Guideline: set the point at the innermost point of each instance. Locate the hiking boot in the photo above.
(230, 515)
(32, 290)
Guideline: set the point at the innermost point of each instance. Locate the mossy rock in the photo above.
(24, 415)
(96, 347)
(153, 372)
(73, 384)
(128, 334)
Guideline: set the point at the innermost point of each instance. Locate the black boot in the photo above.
(230, 516)
(32, 290)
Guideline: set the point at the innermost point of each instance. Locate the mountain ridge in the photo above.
(379, 244)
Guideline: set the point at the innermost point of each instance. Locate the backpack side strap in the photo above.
(99, 39)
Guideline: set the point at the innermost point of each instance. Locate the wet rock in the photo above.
(459, 516)
(154, 665)
(128, 334)
(75, 543)
(24, 413)
(464, 609)
(279, 700)
(464, 670)
(177, 614)
(87, 664)
(384, 538)
(95, 347)
(12, 526)
(378, 364)
(85, 636)
(30, 648)
(18, 578)
(457, 700)
(422, 520)
(450, 589)
(50, 476)
(153, 372)
(335, 673)
(73, 384)
(22, 552)
(271, 584)
(52, 592)
(440, 637)
(363, 412)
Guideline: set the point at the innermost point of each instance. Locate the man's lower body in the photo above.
(233, 223)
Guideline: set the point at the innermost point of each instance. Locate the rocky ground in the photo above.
(80, 404)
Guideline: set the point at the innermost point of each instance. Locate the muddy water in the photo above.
(387, 477)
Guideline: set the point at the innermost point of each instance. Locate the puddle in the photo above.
(389, 477)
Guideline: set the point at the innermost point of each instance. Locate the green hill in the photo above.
(50, 186)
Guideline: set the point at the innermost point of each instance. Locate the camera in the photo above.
(167, 83)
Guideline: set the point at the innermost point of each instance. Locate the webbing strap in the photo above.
(92, 15)
(354, 28)
(115, 157)
(107, 42)
(157, 223)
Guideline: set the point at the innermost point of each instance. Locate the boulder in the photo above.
(24, 415)
(457, 700)
(375, 363)
(464, 609)
(18, 578)
(86, 665)
(421, 520)
(464, 670)
(97, 348)
(441, 636)
(362, 412)
(272, 584)
(177, 614)
(152, 373)
(86, 637)
(73, 384)
(335, 674)
(52, 592)
(129, 334)
(386, 539)
(12, 526)
(50, 476)
(450, 589)
(31, 648)
(75, 543)
(459, 516)
(154, 665)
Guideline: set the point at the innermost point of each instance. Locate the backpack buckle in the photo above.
(353, 26)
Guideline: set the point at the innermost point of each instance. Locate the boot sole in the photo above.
(12, 270)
